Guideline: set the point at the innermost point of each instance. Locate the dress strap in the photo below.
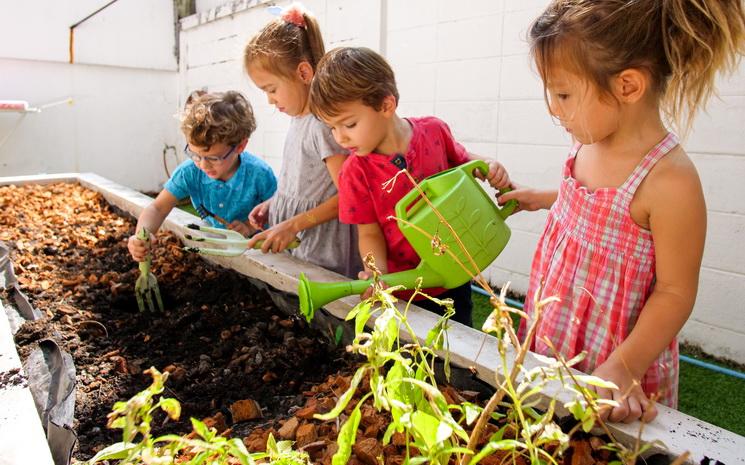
(570, 160)
(650, 159)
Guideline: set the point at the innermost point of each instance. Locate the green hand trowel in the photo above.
(477, 220)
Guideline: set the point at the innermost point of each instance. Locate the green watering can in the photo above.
(459, 198)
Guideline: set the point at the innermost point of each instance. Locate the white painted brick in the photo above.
(722, 178)
(484, 149)
(468, 80)
(531, 222)
(722, 341)
(721, 300)
(732, 85)
(721, 129)
(515, 35)
(469, 38)
(470, 121)
(519, 5)
(498, 277)
(519, 79)
(222, 48)
(534, 165)
(405, 14)
(353, 23)
(448, 10)
(412, 108)
(528, 122)
(411, 46)
(416, 82)
(518, 254)
(723, 231)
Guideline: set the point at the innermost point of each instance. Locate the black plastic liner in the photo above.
(50, 370)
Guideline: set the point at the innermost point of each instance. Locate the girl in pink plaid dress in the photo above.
(625, 234)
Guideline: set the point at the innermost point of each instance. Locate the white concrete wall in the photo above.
(123, 87)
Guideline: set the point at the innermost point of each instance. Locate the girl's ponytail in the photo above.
(700, 38)
(315, 40)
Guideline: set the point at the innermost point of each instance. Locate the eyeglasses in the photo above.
(211, 160)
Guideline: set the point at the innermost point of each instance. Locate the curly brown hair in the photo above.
(682, 44)
(217, 117)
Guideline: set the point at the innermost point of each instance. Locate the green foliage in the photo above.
(208, 448)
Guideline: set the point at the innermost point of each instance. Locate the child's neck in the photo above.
(638, 133)
(397, 137)
(234, 169)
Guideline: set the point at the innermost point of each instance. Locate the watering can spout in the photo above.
(314, 295)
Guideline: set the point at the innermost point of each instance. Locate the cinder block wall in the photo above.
(467, 63)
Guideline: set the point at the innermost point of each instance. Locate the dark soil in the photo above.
(221, 338)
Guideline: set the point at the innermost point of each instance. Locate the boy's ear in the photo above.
(305, 72)
(631, 85)
(388, 107)
(242, 146)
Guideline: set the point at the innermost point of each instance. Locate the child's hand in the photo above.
(368, 292)
(633, 403)
(139, 249)
(259, 215)
(277, 238)
(528, 198)
(497, 176)
(244, 228)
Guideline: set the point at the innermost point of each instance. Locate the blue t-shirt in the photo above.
(252, 183)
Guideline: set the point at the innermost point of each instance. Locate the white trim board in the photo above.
(679, 432)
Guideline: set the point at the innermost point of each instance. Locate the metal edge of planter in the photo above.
(468, 347)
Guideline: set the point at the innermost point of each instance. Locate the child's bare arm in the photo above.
(677, 220)
(151, 218)
(528, 198)
(333, 164)
(371, 240)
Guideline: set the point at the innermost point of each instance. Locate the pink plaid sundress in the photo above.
(601, 265)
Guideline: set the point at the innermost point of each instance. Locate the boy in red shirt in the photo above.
(354, 92)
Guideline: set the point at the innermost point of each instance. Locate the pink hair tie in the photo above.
(295, 16)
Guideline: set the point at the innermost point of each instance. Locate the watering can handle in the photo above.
(508, 208)
(468, 167)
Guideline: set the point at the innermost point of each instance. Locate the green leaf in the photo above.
(472, 412)
(444, 431)
(347, 435)
(362, 316)
(426, 427)
(588, 421)
(595, 381)
(345, 398)
(201, 429)
(117, 451)
(172, 407)
(492, 446)
(339, 334)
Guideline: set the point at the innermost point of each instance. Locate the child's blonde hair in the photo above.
(680, 43)
(286, 42)
(350, 74)
(219, 117)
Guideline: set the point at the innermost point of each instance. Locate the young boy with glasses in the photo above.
(219, 175)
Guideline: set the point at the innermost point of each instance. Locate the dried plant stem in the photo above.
(499, 395)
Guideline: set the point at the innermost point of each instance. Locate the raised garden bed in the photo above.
(182, 287)
(222, 339)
